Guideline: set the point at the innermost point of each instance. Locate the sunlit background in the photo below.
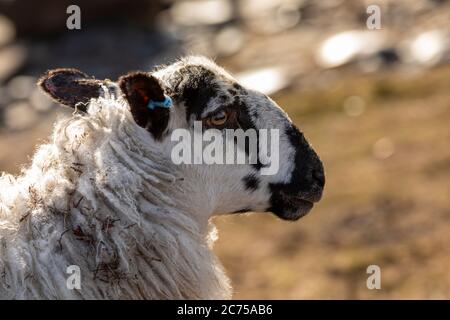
(375, 104)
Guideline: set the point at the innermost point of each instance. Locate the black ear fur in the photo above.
(139, 88)
(70, 87)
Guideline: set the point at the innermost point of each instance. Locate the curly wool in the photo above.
(101, 197)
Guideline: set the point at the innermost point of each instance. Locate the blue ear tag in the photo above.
(167, 103)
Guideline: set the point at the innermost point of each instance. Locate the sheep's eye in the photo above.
(219, 119)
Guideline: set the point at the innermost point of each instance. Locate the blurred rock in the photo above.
(346, 47)
(386, 57)
(267, 80)
(288, 15)
(428, 48)
(383, 148)
(229, 41)
(354, 106)
(4, 97)
(201, 12)
(7, 30)
(19, 116)
(12, 58)
(271, 16)
(20, 87)
(40, 101)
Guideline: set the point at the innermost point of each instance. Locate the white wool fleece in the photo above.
(101, 197)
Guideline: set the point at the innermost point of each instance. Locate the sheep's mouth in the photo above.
(288, 207)
(295, 209)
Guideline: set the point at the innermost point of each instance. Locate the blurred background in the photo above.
(375, 104)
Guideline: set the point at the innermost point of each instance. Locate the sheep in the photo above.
(103, 194)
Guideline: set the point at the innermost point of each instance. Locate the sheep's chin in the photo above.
(293, 213)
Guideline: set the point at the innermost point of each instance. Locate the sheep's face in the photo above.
(208, 107)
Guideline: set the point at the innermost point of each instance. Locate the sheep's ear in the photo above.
(139, 88)
(70, 87)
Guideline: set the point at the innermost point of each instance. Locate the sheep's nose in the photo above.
(318, 175)
(316, 180)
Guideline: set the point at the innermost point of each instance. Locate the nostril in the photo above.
(319, 176)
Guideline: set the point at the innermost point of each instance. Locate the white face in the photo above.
(203, 93)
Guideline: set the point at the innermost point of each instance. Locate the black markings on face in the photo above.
(307, 178)
(195, 86)
(223, 98)
(246, 122)
(238, 87)
(251, 182)
(254, 114)
(305, 160)
(298, 181)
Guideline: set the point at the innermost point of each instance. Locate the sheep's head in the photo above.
(205, 95)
